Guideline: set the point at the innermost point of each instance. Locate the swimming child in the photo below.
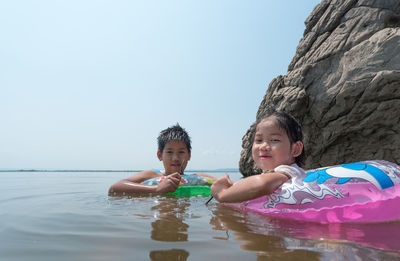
(174, 150)
(277, 149)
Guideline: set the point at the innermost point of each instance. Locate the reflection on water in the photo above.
(169, 227)
(268, 244)
(68, 216)
(308, 241)
(173, 254)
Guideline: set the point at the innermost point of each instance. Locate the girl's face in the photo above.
(172, 156)
(272, 147)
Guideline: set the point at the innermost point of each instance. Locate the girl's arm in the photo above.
(132, 185)
(251, 187)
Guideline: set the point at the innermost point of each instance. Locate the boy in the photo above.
(174, 150)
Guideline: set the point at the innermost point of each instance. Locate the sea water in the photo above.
(69, 216)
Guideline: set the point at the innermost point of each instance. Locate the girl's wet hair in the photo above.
(175, 132)
(288, 123)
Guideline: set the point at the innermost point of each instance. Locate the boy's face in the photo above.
(174, 153)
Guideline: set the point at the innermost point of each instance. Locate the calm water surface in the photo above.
(68, 216)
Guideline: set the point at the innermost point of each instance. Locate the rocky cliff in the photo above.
(343, 84)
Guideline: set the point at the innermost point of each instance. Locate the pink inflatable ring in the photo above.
(362, 192)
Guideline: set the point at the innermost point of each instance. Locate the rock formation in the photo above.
(343, 84)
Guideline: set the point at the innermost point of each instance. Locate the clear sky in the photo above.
(90, 84)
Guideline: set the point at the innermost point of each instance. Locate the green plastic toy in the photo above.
(190, 191)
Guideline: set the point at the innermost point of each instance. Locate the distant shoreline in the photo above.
(89, 170)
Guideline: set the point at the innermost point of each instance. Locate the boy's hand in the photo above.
(169, 184)
(220, 185)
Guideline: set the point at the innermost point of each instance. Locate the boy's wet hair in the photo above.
(288, 123)
(175, 132)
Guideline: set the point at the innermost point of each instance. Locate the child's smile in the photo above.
(271, 146)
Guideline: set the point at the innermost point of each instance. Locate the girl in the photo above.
(277, 150)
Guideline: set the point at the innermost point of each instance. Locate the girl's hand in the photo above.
(220, 185)
(169, 184)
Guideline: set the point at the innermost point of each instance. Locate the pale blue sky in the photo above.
(90, 84)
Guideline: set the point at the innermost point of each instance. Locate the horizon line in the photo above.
(109, 170)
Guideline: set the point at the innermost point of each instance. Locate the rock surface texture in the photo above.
(343, 85)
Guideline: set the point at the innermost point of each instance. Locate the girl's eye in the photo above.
(275, 140)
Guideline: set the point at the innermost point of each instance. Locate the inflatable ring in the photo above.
(190, 185)
(362, 192)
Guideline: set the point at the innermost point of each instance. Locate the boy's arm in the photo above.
(132, 185)
(249, 188)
